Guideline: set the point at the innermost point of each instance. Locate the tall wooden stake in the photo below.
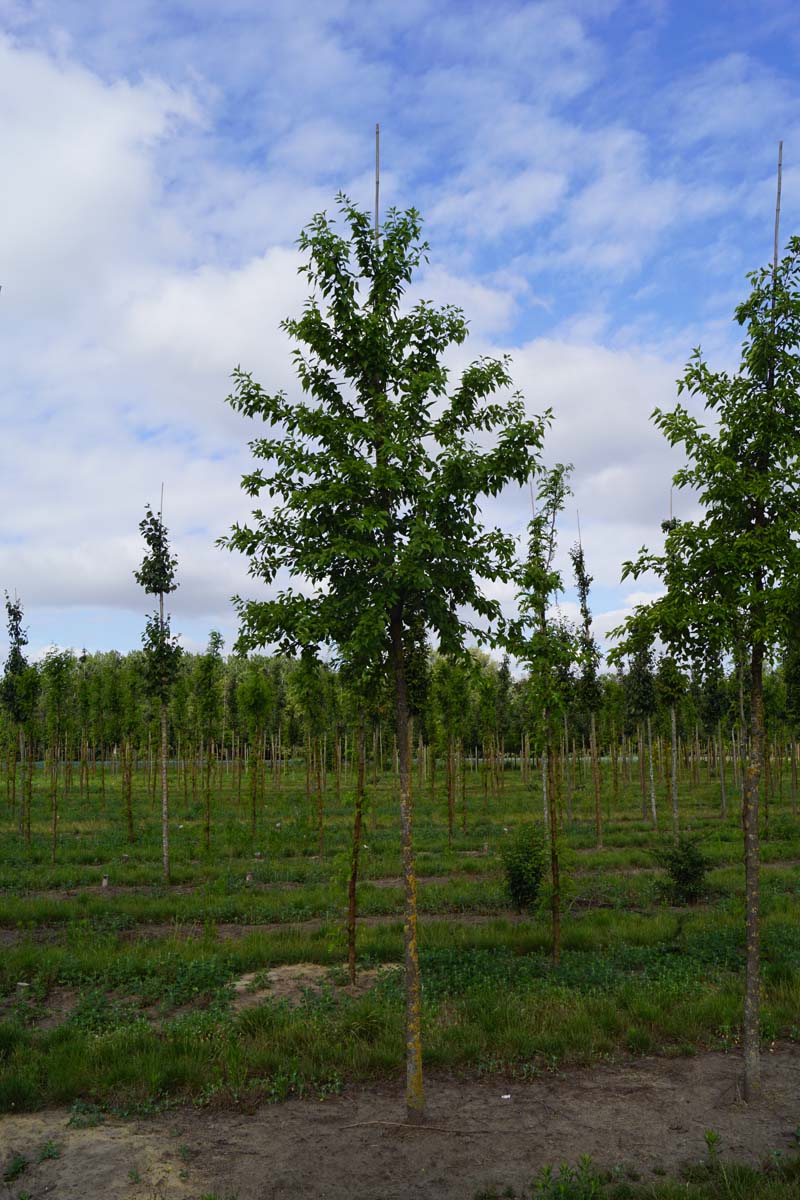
(777, 212)
(377, 175)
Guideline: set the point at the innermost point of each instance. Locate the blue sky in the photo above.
(596, 178)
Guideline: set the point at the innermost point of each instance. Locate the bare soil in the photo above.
(648, 1115)
(293, 982)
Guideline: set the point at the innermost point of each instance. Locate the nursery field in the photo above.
(124, 998)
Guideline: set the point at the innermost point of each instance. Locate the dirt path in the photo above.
(231, 931)
(393, 881)
(648, 1115)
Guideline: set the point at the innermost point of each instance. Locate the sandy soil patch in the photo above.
(293, 982)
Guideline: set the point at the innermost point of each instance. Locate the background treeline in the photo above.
(91, 714)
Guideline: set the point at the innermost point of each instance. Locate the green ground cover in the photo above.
(130, 1000)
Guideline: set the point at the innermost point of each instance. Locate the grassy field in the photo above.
(130, 1000)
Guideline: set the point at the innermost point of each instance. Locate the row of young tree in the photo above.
(98, 712)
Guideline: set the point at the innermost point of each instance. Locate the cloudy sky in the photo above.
(596, 180)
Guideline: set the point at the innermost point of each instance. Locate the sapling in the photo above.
(374, 476)
(161, 650)
(731, 575)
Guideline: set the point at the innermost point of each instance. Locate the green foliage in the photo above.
(686, 866)
(582, 1182)
(157, 572)
(15, 1167)
(547, 647)
(162, 653)
(639, 683)
(731, 576)
(376, 470)
(524, 863)
(589, 690)
(670, 683)
(47, 1150)
(19, 687)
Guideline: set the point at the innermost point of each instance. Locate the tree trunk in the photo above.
(554, 864)
(598, 816)
(22, 783)
(351, 889)
(674, 780)
(451, 792)
(320, 809)
(752, 986)
(793, 765)
(164, 793)
(415, 1100)
(127, 783)
(567, 771)
(653, 813)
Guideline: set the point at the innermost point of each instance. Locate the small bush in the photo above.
(687, 868)
(523, 861)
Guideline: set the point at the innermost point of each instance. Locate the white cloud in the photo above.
(163, 167)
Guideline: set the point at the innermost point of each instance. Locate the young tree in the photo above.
(377, 472)
(589, 690)
(670, 688)
(207, 681)
(712, 703)
(19, 692)
(731, 576)
(548, 648)
(640, 697)
(57, 693)
(161, 650)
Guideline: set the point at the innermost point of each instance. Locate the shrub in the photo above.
(523, 861)
(687, 868)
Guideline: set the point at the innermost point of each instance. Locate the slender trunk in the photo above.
(554, 864)
(127, 783)
(207, 800)
(320, 811)
(653, 813)
(164, 793)
(164, 754)
(415, 1100)
(451, 791)
(567, 770)
(752, 996)
(351, 890)
(598, 815)
(22, 783)
(674, 734)
(722, 796)
(252, 771)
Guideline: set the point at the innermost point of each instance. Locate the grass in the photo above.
(150, 1021)
(715, 1180)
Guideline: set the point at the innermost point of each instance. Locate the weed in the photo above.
(571, 1183)
(17, 1164)
(686, 866)
(50, 1149)
(523, 859)
(712, 1140)
(85, 1115)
